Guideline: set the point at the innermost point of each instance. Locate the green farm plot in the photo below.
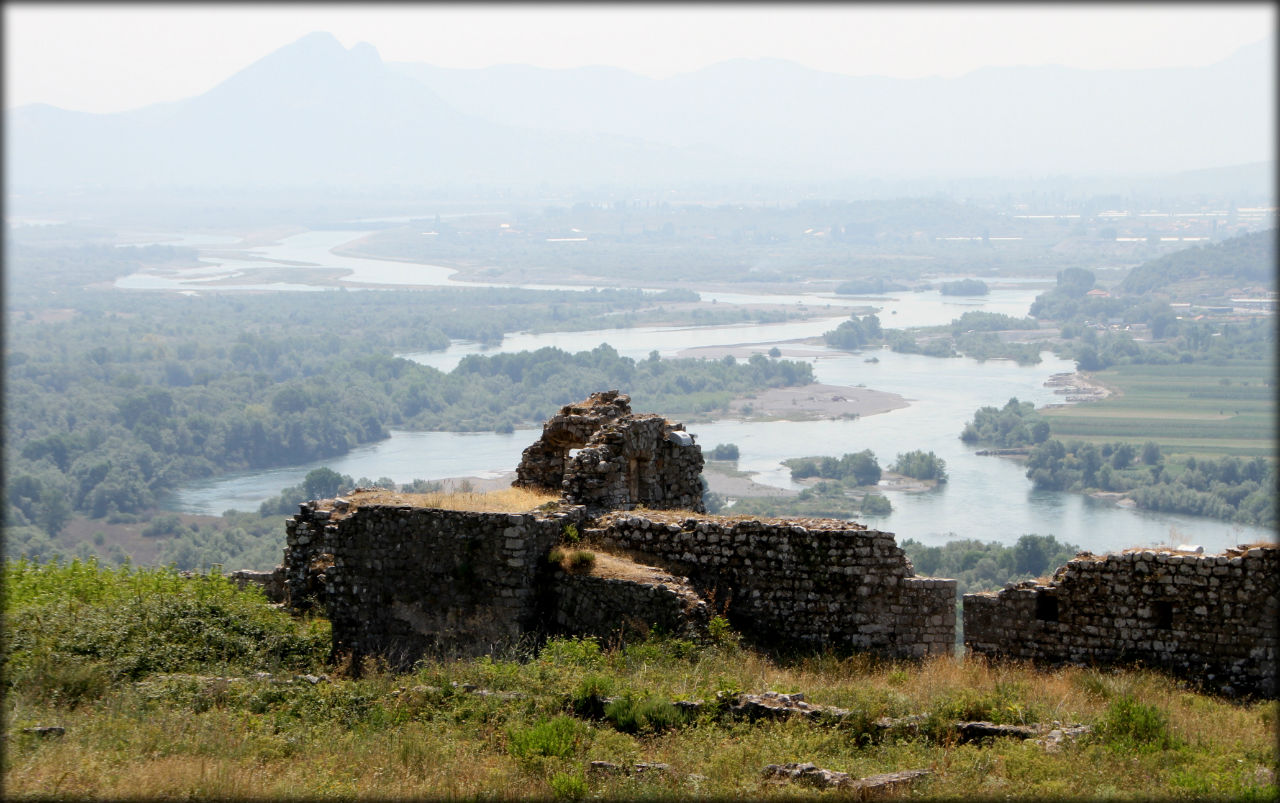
(1203, 409)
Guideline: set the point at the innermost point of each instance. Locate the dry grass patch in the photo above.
(506, 500)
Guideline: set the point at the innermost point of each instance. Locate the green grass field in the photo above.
(168, 688)
(1210, 410)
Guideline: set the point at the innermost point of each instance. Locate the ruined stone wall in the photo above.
(271, 583)
(406, 581)
(638, 460)
(308, 553)
(608, 607)
(1211, 618)
(824, 584)
(400, 581)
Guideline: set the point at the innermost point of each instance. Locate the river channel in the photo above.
(987, 498)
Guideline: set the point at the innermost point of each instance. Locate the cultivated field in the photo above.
(1210, 410)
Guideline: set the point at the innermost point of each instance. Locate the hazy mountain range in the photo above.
(316, 114)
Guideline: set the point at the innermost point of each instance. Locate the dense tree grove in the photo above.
(903, 342)
(1249, 258)
(972, 333)
(989, 346)
(723, 451)
(855, 333)
(979, 566)
(869, 286)
(100, 445)
(1087, 320)
(1229, 488)
(921, 465)
(975, 321)
(1188, 341)
(1016, 424)
(859, 468)
(113, 398)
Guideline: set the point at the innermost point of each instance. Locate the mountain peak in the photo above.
(315, 42)
(322, 48)
(365, 54)
(317, 59)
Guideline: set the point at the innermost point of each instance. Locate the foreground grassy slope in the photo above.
(1210, 410)
(174, 709)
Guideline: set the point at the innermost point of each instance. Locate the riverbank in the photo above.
(816, 402)
(727, 481)
(1077, 387)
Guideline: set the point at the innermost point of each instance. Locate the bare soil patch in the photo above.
(723, 480)
(816, 402)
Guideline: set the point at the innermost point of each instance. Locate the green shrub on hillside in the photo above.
(633, 714)
(1129, 725)
(218, 731)
(557, 737)
(81, 622)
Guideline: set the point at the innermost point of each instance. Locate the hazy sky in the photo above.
(109, 57)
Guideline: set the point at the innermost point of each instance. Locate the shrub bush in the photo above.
(1129, 725)
(569, 785)
(876, 505)
(131, 623)
(557, 737)
(648, 715)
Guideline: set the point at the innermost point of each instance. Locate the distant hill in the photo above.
(1006, 121)
(314, 114)
(1248, 259)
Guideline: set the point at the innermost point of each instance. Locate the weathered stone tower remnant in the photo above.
(601, 455)
(1210, 618)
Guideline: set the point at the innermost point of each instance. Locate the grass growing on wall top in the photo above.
(505, 500)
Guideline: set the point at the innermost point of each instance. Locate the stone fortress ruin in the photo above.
(1211, 618)
(402, 581)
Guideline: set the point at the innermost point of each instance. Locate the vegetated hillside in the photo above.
(114, 398)
(1247, 259)
(166, 687)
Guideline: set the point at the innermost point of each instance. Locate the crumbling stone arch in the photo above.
(543, 463)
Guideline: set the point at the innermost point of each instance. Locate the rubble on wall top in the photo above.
(620, 402)
(1180, 551)
(683, 517)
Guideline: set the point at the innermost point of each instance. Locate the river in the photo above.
(987, 498)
